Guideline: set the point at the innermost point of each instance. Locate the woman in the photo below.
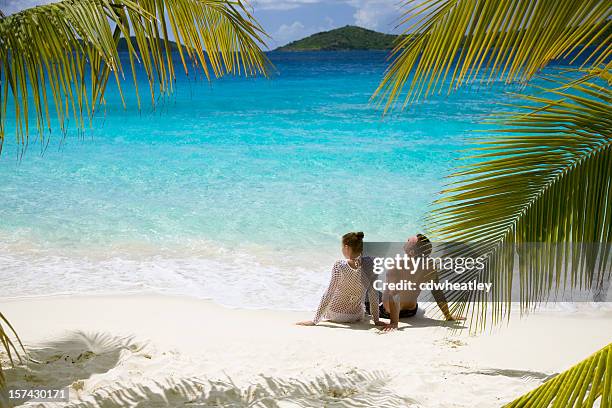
(343, 301)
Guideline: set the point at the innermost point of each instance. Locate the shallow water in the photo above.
(236, 190)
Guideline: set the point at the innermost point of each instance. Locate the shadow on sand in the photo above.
(352, 389)
(71, 361)
(418, 321)
(522, 374)
(67, 362)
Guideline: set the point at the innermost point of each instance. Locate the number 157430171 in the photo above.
(38, 394)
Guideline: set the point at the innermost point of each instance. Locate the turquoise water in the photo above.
(237, 190)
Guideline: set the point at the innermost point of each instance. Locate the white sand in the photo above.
(149, 351)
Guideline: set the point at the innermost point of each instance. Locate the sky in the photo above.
(289, 20)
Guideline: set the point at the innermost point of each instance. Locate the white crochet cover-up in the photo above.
(344, 298)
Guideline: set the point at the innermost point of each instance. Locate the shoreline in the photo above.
(101, 347)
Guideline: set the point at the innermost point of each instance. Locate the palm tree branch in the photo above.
(548, 182)
(579, 386)
(450, 42)
(59, 56)
(8, 345)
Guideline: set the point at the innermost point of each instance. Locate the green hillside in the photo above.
(345, 38)
(122, 46)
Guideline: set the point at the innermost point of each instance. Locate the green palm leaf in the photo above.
(8, 345)
(59, 57)
(545, 178)
(450, 42)
(580, 386)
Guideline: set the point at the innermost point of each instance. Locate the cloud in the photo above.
(381, 15)
(289, 20)
(280, 4)
(286, 31)
(372, 14)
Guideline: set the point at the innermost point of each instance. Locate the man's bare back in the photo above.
(406, 298)
(411, 275)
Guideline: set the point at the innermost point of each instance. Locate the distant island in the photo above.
(344, 38)
(122, 45)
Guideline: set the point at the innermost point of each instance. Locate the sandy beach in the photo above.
(151, 350)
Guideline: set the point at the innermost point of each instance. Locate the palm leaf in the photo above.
(8, 345)
(543, 185)
(60, 56)
(450, 42)
(580, 386)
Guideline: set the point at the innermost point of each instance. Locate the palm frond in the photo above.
(8, 345)
(543, 185)
(60, 56)
(450, 42)
(580, 386)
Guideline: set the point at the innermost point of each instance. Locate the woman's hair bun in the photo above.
(353, 240)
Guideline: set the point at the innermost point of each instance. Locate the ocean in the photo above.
(237, 190)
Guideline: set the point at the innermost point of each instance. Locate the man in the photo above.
(401, 303)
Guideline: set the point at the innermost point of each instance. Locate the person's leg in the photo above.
(382, 312)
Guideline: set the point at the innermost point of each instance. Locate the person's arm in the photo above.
(394, 312)
(441, 300)
(327, 296)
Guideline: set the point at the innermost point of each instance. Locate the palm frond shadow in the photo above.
(352, 389)
(523, 374)
(60, 363)
(424, 322)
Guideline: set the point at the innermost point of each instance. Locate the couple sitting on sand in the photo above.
(352, 281)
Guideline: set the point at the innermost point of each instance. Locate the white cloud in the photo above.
(381, 15)
(286, 31)
(373, 14)
(280, 4)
